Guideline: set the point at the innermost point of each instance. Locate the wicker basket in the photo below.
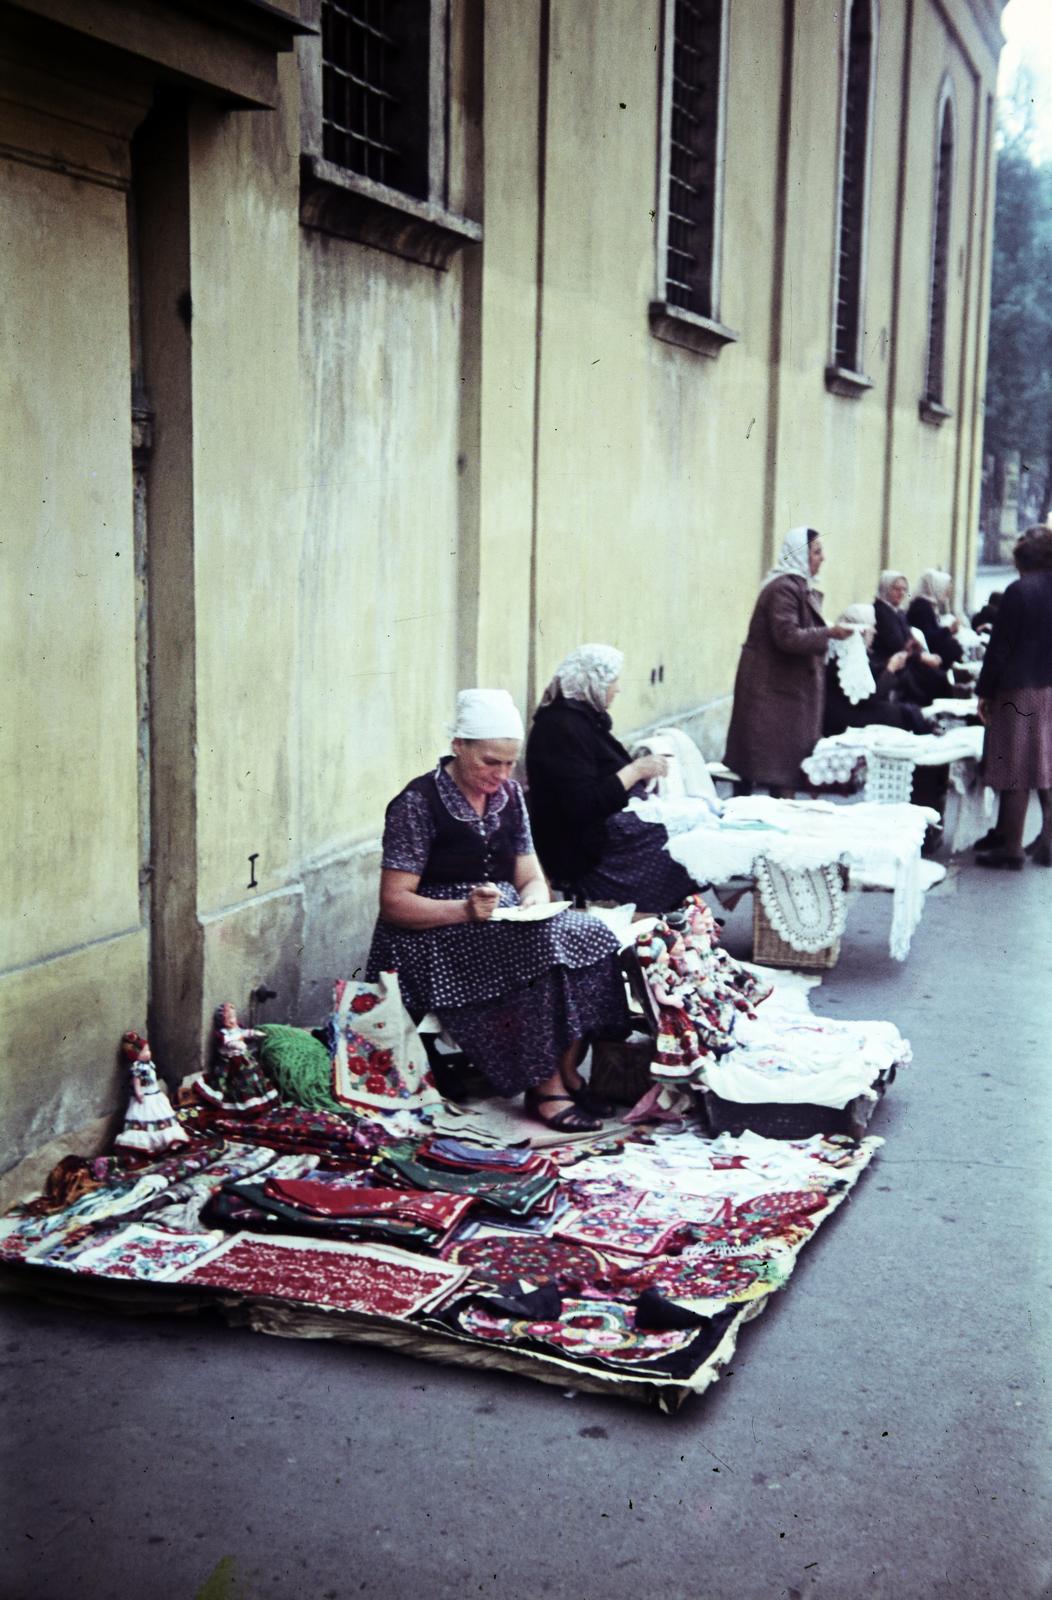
(771, 950)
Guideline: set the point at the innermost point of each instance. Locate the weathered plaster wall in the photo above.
(73, 962)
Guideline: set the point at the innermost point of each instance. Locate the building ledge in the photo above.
(933, 411)
(340, 202)
(852, 385)
(676, 326)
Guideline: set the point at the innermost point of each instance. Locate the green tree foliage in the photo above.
(1019, 374)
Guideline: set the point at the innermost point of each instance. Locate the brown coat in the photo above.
(779, 691)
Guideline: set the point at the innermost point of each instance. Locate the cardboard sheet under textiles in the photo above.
(410, 1302)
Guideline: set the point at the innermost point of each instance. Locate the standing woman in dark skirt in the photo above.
(1015, 702)
(779, 690)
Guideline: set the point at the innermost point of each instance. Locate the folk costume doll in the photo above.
(150, 1124)
(235, 1082)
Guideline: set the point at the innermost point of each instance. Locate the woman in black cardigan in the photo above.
(580, 781)
(923, 679)
(933, 601)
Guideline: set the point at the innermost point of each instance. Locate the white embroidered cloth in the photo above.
(869, 838)
(788, 1055)
(833, 760)
(852, 665)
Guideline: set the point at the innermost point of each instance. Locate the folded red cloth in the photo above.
(351, 1200)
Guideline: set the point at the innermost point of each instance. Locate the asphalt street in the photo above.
(883, 1432)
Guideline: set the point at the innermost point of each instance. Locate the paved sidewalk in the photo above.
(883, 1434)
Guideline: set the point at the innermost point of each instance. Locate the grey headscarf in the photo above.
(586, 674)
(887, 579)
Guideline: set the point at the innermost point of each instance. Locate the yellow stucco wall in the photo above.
(73, 961)
(391, 481)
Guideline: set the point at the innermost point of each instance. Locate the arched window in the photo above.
(852, 204)
(691, 175)
(935, 372)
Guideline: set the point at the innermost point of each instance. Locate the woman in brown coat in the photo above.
(779, 692)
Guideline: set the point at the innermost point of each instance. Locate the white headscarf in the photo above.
(794, 558)
(935, 586)
(486, 714)
(887, 579)
(586, 674)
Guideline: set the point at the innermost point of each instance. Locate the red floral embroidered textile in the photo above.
(341, 1200)
(612, 1227)
(371, 1279)
(495, 1260)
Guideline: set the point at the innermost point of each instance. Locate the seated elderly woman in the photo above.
(922, 678)
(520, 998)
(888, 703)
(580, 781)
(931, 610)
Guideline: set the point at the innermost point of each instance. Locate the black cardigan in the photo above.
(1019, 655)
(941, 642)
(572, 762)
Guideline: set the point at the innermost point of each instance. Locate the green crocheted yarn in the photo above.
(299, 1065)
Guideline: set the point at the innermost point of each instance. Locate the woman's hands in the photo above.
(929, 660)
(841, 630)
(482, 902)
(898, 660)
(642, 769)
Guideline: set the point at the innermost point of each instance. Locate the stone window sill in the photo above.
(852, 385)
(686, 328)
(340, 202)
(933, 411)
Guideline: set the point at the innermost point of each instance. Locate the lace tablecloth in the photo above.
(879, 841)
(970, 805)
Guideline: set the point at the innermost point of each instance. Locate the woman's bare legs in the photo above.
(553, 1098)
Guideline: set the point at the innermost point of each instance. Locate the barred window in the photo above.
(693, 74)
(376, 57)
(940, 256)
(856, 120)
(694, 95)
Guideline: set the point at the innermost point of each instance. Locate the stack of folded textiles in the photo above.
(338, 1206)
(502, 1191)
(337, 1137)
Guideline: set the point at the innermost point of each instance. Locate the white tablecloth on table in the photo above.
(882, 840)
(970, 805)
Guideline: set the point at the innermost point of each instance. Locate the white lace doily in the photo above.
(806, 906)
(852, 665)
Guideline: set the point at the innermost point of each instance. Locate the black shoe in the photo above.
(1007, 860)
(994, 840)
(1040, 852)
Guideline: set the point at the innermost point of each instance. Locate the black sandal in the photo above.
(570, 1120)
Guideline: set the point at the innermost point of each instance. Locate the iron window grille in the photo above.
(940, 258)
(690, 176)
(375, 90)
(693, 145)
(854, 179)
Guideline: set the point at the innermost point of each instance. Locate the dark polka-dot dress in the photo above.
(513, 995)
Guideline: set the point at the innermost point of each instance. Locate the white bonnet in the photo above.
(486, 714)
